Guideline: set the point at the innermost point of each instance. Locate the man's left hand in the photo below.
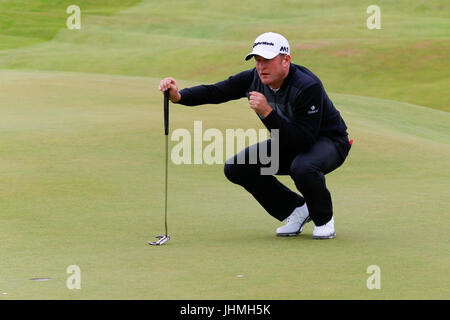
(258, 102)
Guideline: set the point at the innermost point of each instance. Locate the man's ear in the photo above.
(287, 59)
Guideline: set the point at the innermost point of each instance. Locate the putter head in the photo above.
(162, 239)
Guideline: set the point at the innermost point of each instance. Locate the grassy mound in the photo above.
(406, 60)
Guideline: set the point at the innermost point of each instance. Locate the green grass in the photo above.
(82, 183)
(407, 60)
(82, 152)
(27, 22)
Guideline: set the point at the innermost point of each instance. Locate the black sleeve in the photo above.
(235, 87)
(302, 131)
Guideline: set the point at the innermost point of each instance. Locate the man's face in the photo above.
(273, 71)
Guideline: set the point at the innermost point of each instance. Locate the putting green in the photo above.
(82, 183)
(82, 152)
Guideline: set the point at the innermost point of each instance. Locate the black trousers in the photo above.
(307, 169)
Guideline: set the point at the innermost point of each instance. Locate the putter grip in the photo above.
(166, 112)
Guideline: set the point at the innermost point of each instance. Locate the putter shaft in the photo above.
(164, 238)
(166, 178)
(166, 132)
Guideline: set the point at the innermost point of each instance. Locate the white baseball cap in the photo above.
(269, 45)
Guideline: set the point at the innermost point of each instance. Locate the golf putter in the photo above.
(164, 238)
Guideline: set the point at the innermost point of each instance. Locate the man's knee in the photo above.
(300, 170)
(305, 174)
(231, 171)
(240, 173)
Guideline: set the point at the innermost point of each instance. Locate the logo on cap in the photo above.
(264, 43)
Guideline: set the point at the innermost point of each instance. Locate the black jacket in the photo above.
(301, 111)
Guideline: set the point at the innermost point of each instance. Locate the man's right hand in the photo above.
(171, 85)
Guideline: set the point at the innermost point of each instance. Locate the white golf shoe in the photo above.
(325, 231)
(295, 222)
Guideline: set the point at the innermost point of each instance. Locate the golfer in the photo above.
(312, 136)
